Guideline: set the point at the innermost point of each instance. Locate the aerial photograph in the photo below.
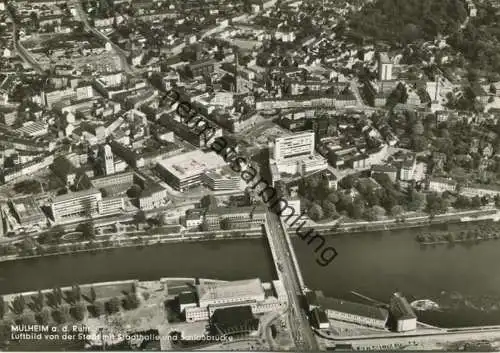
(249, 175)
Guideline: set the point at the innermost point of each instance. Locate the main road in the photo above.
(301, 330)
(21, 50)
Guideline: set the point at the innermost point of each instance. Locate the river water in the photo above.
(464, 280)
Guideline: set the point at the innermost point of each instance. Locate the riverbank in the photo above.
(108, 243)
(97, 245)
(401, 224)
(470, 233)
(375, 264)
(67, 314)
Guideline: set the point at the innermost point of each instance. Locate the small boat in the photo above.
(424, 305)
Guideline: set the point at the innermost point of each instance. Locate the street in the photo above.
(21, 51)
(301, 330)
(121, 54)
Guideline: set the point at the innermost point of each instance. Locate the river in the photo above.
(373, 264)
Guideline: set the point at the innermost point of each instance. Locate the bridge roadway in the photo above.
(291, 278)
(434, 338)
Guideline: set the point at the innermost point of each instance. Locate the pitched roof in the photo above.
(345, 306)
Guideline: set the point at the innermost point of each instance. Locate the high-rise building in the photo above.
(384, 67)
(293, 147)
(108, 160)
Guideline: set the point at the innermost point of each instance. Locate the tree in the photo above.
(389, 201)
(476, 202)
(140, 217)
(435, 204)
(347, 182)
(316, 212)
(98, 308)
(28, 246)
(113, 305)
(209, 201)
(2, 307)
(450, 237)
(38, 302)
(93, 295)
(56, 231)
(419, 143)
(18, 304)
(61, 314)
(79, 311)
(75, 295)
(225, 224)
(418, 128)
(416, 201)
(329, 209)
(134, 191)
(87, 229)
(43, 317)
(333, 197)
(5, 331)
(356, 209)
(57, 297)
(34, 20)
(376, 213)
(28, 318)
(399, 95)
(131, 301)
(397, 211)
(462, 202)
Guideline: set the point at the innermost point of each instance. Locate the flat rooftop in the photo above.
(26, 207)
(227, 290)
(192, 163)
(75, 195)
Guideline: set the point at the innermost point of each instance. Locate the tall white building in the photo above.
(294, 154)
(294, 147)
(109, 163)
(384, 67)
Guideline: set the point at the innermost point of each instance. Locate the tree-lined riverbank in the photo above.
(469, 233)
